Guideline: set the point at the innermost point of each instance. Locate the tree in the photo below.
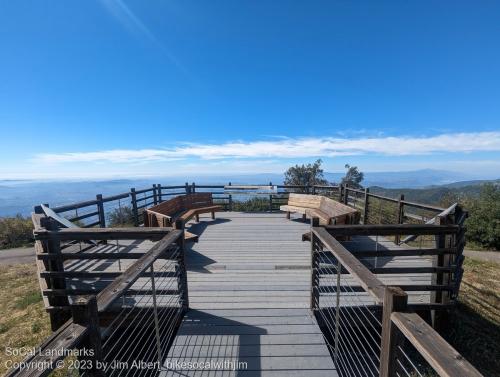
(483, 224)
(305, 175)
(353, 177)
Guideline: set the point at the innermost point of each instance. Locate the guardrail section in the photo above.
(134, 318)
(369, 326)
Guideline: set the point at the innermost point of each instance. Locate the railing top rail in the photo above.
(210, 186)
(76, 234)
(87, 203)
(445, 360)
(49, 352)
(391, 229)
(366, 278)
(142, 191)
(115, 197)
(77, 205)
(424, 206)
(71, 334)
(249, 187)
(109, 294)
(172, 187)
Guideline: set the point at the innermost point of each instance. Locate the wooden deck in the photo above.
(249, 291)
(249, 282)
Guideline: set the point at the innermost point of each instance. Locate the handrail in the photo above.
(139, 202)
(125, 280)
(44, 360)
(72, 334)
(391, 229)
(76, 234)
(446, 212)
(395, 200)
(393, 301)
(442, 357)
(367, 280)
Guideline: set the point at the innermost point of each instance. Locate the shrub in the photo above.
(252, 205)
(15, 231)
(483, 224)
(121, 216)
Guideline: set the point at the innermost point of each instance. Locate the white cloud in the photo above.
(294, 148)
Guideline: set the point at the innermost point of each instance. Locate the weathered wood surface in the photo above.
(249, 287)
(435, 350)
(261, 252)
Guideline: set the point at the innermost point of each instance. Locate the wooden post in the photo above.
(158, 189)
(84, 312)
(346, 195)
(182, 277)
(179, 224)
(187, 188)
(365, 209)
(395, 300)
(135, 212)
(399, 216)
(314, 190)
(340, 193)
(100, 209)
(270, 199)
(439, 316)
(230, 200)
(155, 196)
(193, 190)
(314, 304)
(53, 246)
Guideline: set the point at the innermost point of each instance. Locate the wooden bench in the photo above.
(327, 210)
(178, 211)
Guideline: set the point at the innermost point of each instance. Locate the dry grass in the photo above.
(476, 321)
(475, 332)
(23, 320)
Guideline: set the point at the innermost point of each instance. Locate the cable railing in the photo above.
(352, 327)
(131, 321)
(370, 326)
(137, 305)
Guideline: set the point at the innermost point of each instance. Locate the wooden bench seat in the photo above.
(177, 211)
(196, 212)
(327, 210)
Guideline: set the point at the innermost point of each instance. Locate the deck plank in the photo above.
(249, 291)
(249, 282)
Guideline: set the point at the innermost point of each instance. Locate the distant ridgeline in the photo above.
(19, 197)
(436, 194)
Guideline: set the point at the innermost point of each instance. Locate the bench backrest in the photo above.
(153, 215)
(169, 207)
(341, 212)
(197, 200)
(304, 200)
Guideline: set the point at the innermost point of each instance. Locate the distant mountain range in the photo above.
(19, 196)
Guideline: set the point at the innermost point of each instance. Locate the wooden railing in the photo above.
(370, 327)
(152, 291)
(126, 208)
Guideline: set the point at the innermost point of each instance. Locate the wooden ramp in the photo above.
(249, 282)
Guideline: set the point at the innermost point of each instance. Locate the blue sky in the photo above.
(129, 88)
